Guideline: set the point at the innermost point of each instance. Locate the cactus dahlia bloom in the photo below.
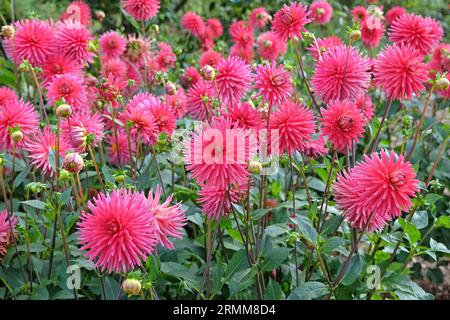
(218, 154)
(216, 201)
(290, 21)
(59, 64)
(7, 232)
(7, 96)
(342, 73)
(39, 148)
(244, 116)
(112, 44)
(69, 87)
(321, 11)
(119, 147)
(81, 126)
(295, 125)
(119, 231)
(169, 220)
(77, 11)
(372, 32)
(270, 47)
(321, 46)
(72, 39)
(273, 83)
(141, 10)
(193, 23)
(394, 13)
(421, 33)
(400, 71)
(259, 17)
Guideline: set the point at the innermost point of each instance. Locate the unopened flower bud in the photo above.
(17, 136)
(73, 162)
(100, 15)
(64, 110)
(255, 167)
(132, 287)
(8, 32)
(170, 88)
(208, 72)
(442, 83)
(120, 178)
(320, 11)
(154, 28)
(92, 46)
(78, 137)
(355, 35)
(64, 175)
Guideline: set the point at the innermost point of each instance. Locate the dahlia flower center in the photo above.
(65, 89)
(345, 123)
(267, 43)
(397, 179)
(112, 44)
(112, 227)
(277, 80)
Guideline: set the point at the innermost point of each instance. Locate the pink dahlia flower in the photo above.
(394, 13)
(421, 33)
(216, 201)
(164, 117)
(177, 102)
(290, 21)
(165, 58)
(343, 123)
(112, 44)
(17, 115)
(120, 147)
(233, 78)
(69, 87)
(295, 125)
(33, 41)
(365, 106)
(39, 148)
(115, 68)
(118, 232)
(387, 183)
(214, 28)
(321, 11)
(244, 116)
(143, 122)
(321, 46)
(218, 154)
(198, 100)
(270, 47)
(190, 76)
(259, 17)
(273, 83)
(244, 52)
(372, 31)
(314, 148)
(72, 39)
(343, 73)
(141, 10)
(169, 220)
(359, 13)
(80, 126)
(7, 232)
(193, 23)
(59, 64)
(7, 96)
(241, 33)
(78, 12)
(210, 58)
(400, 71)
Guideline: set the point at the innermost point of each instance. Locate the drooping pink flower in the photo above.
(321, 45)
(141, 10)
(365, 106)
(137, 48)
(321, 11)
(118, 232)
(314, 148)
(59, 64)
(290, 21)
(111, 89)
(216, 201)
(295, 125)
(372, 31)
(244, 116)
(112, 44)
(193, 23)
(198, 100)
(400, 71)
(143, 123)
(343, 73)
(8, 225)
(69, 87)
(72, 39)
(7, 96)
(233, 78)
(120, 147)
(39, 148)
(169, 220)
(387, 183)
(343, 123)
(214, 28)
(80, 127)
(78, 12)
(210, 58)
(217, 154)
(348, 196)
(273, 83)
(190, 76)
(394, 13)
(33, 41)
(421, 33)
(17, 115)
(359, 13)
(259, 17)
(270, 47)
